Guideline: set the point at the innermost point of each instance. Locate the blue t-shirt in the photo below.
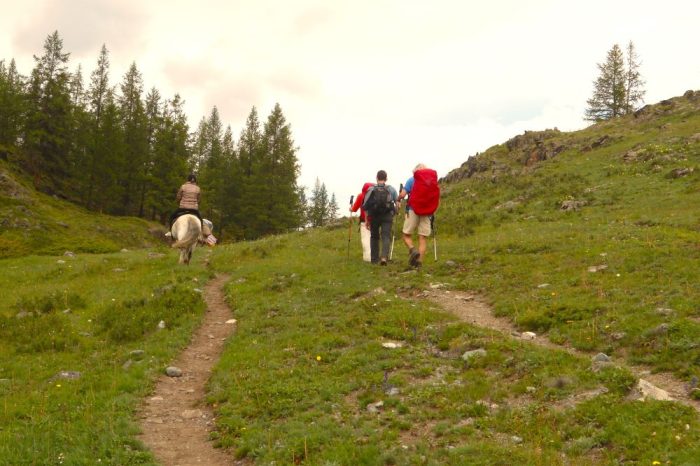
(407, 187)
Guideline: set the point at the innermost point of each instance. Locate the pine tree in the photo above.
(171, 152)
(634, 84)
(77, 91)
(47, 131)
(230, 202)
(249, 142)
(12, 99)
(110, 152)
(281, 168)
(332, 208)
(618, 90)
(95, 161)
(318, 207)
(252, 177)
(80, 134)
(133, 119)
(212, 167)
(154, 122)
(99, 84)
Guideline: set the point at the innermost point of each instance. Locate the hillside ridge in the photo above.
(531, 147)
(32, 222)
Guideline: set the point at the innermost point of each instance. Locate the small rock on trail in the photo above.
(173, 371)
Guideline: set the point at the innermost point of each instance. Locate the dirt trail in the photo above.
(471, 309)
(175, 419)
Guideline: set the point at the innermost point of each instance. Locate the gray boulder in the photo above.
(474, 354)
(572, 205)
(172, 371)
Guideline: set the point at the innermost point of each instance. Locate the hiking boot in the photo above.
(418, 265)
(382, 261)
(413, 256)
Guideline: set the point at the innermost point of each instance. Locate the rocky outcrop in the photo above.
(532, 147)
(524, 150)
(474, 164)
(535, 146)
(11, 188)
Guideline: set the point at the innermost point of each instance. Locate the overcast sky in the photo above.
(371, 84)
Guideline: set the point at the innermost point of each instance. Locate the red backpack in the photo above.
(425, 193)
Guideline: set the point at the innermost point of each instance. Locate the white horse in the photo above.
(186, 231)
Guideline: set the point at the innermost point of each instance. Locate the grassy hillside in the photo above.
(589, 237)
(623, 195)
(35, 223)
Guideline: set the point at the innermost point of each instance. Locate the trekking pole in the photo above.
(393, 237)
(393, 226)
(432, 227)
(350, 226)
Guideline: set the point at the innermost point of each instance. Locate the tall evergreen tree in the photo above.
(318, 207)
(110, 152)
(332, 208)
(212, 168)
(170, 157)
(252, 177)
(281, 169)
(11, 103)
(250, 142)
(200, 146)
(618, 89)
(231, 194)
(77, 90)
(634, 84)
(154, 121)
(47, 131)
(608, 100)
(96, 161)
(80, 134)
(133, 119)
(99, 84)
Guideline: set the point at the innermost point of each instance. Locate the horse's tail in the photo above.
(193, 231)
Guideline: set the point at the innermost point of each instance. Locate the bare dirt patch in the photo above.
(419, 432)
(474, 310)
(175, 419)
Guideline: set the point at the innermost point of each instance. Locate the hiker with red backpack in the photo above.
(364, 224)
(423, 194)
(380, 207)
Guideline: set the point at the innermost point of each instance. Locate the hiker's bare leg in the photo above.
(408, 240)
(422, 246)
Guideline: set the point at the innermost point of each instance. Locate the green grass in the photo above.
(87, 315)
(306, 361)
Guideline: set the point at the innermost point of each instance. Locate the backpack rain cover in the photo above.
(424, 198)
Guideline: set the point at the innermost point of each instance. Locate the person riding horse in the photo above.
(188, 198)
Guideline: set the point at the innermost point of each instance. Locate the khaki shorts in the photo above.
(413, 221)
